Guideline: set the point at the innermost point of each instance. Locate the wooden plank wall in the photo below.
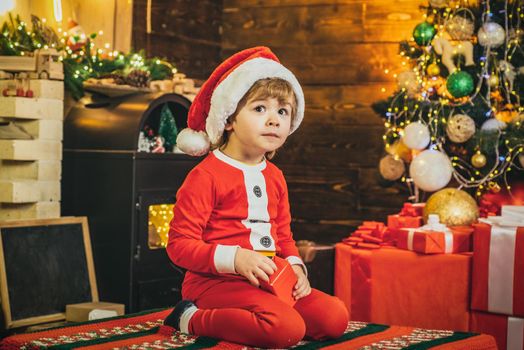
(339, 51)
(186, 32)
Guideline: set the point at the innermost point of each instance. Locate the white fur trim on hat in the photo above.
(230, 91)
(194, 143)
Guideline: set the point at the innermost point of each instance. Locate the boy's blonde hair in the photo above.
(264, 88)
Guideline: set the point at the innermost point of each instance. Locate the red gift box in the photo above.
(396, 221)
(410, 216)
(498, 269)
(435, 242)
(508, 331)
(412, 209)
(395, 286)
(282, 281)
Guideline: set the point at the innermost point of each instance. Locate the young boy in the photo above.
(232, 212)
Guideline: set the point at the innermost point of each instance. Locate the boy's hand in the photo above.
(253, 265)
(302, 288)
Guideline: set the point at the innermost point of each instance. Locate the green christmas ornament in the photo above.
(424, 33)
(460, 84)
(167, 128)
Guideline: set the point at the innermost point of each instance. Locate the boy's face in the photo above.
(261, 126)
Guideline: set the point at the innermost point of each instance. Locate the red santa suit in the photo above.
(225, 204)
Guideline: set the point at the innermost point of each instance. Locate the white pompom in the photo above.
(194, 143)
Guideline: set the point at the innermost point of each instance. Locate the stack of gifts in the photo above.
(498, 278)
(435, 238)
(393, 284)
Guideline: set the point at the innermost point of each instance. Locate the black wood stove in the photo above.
(127, 195)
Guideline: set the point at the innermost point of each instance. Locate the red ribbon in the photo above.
(370, 235)
(411, 210)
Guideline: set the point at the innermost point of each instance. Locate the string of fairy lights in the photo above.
(81, 58)
(433, 105)
(160, 215)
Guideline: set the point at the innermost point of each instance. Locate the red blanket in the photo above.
(145, 331)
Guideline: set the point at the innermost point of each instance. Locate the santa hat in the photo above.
(218, 98)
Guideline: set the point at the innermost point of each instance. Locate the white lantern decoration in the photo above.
(431, 170)
(493, 125)
(491, 34)
(416, 136)
(460, 128)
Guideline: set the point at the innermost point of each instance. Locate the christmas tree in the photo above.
(167, 128)
(457, 118)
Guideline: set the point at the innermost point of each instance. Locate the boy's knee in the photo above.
(285, 331)
(339, 318)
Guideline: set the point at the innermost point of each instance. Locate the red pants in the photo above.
(236, 311)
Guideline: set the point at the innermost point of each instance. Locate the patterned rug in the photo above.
(144, 331)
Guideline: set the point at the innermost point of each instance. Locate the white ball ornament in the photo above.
(431, 170)
(493, 124)
(416, 136)
(460, 128)
(491, 34)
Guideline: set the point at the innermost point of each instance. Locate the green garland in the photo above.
(81, 62)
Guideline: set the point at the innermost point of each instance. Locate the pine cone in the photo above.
(117, 78)
(138, 78)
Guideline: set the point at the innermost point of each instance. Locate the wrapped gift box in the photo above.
(498, 269)
(434, 242)
(397, 221)
(395, 286)
(508, 331)
(409, 217)
(282, 281)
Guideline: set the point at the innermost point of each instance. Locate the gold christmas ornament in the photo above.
(400, 150)
(460, 128)
(454, 207)
(493, 80)
(494, 187)
(478, 160)
(433, 70)
(391, 168)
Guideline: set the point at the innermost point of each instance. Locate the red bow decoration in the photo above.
(371, 235)
(410, 209)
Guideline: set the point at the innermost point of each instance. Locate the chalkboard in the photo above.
(44, 265)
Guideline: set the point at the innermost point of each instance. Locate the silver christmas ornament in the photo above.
(491, 34)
